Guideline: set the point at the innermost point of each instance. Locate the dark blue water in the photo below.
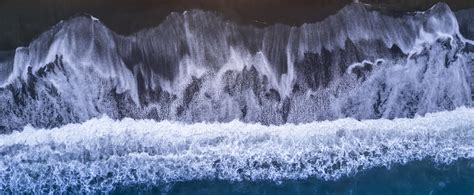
(419, 177)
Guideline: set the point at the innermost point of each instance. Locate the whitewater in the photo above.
(202, 98)
(199, 66)
(101, 154)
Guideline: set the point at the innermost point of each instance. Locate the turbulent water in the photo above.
(200, 98)
(101, 154)
(198, 66)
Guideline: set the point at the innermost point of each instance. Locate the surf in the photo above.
(101, 154)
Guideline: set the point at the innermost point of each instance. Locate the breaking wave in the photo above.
(102, 153)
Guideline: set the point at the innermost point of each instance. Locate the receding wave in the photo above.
(199, 66)
(103, 153)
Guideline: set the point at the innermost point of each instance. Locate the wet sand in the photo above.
(22, 20)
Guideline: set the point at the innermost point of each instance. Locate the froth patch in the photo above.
(101, 154)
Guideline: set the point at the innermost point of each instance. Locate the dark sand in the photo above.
(23, 20)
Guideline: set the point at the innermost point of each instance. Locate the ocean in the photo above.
(365, 101)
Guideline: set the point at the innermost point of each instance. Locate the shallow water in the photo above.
(420, 177)
(105, 155)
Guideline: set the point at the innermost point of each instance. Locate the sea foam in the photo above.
(101, 154)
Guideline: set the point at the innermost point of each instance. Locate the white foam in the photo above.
(102, 153)
(98, 62)
(94, 19)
